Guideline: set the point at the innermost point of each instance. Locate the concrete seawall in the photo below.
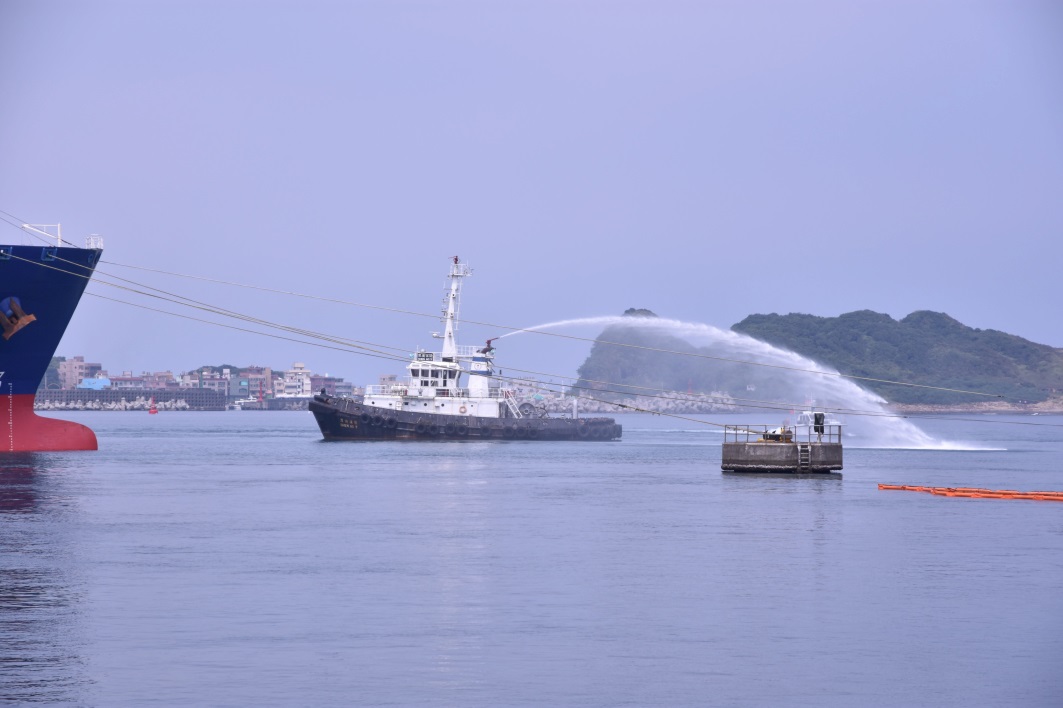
(197, 399)
(189, 399)
(715, 402)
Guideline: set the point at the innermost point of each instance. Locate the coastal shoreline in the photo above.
(1051, 406)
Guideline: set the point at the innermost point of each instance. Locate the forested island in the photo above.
(927, 348)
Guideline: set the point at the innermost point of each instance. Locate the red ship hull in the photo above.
(22, 430)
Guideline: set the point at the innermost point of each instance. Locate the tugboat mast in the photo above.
(451, 307)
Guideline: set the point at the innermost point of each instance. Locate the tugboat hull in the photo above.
(349, 419)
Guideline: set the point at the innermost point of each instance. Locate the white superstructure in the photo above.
(458, 380)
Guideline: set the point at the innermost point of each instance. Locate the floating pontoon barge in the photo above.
(811, 446)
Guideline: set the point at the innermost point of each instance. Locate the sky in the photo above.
(705, 160)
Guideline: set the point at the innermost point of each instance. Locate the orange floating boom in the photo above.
(976, 492)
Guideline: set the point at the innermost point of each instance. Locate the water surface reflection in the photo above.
(39, 603)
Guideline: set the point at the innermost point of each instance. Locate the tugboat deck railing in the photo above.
(430, 392)
(463, 350)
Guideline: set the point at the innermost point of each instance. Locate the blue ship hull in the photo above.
(40, 288)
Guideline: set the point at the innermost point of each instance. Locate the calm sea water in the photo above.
(234, 559)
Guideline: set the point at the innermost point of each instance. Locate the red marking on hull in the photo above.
(22, 430)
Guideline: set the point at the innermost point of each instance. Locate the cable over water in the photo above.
(899, 431)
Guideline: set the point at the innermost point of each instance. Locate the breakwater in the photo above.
(187, 399)
(201, 399)
(278, 404)
(715, 402)
(1051, 406)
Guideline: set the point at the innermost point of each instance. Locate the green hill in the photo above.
(928, 348)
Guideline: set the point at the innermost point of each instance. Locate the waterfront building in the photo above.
(333, 385)
(206, 378)
(234, 383)
(127, 381)
(99, 382)
(74, 370)
(251, 381)
(296, 382)
(159, 380)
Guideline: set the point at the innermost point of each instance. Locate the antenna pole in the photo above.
(458, 270)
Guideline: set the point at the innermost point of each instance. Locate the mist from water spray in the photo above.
(830, 389)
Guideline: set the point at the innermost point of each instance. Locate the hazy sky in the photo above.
(706, 160)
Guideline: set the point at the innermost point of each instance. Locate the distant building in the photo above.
(99, 380)
(333, 385)
(206, 378)
(74, 370)
(96, 383)
(159, 380)
(250, 382)
(127, 381)
(296, 382)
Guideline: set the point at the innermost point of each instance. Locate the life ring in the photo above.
(462, 409)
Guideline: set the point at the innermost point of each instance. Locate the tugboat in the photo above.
(453, 394)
